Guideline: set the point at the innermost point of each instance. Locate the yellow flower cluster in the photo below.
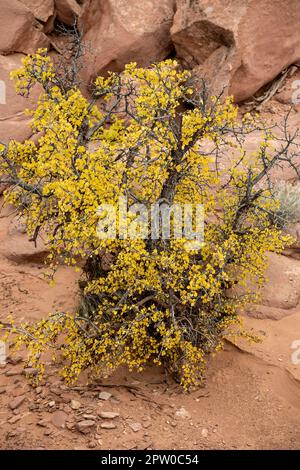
(156, 301)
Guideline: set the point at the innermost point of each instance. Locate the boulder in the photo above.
(19, 30)
(289, 93)
(282, 289)
(262, 312)
(67, 11)
(294, 231)
(41, 10)
(120, 31)
(243, 44)
(201, 27)
(280, 295)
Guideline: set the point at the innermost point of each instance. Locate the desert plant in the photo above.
(288, 198)
(152, 137)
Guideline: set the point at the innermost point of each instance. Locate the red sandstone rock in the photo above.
(42, 10)
(120, 31)
(241, 44)
(67, 11)
(19, 30)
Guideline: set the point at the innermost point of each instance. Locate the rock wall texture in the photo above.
(241, 44)
(237, 45)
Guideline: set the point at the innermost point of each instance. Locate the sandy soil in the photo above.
(251, 399)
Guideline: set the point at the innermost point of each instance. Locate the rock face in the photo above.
(13, 122)
(239, 44)
(280, 295)
(283, 287)
(120, 31)
(19, 30)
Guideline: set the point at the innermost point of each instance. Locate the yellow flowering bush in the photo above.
(148, 135)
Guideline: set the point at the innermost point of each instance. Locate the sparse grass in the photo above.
(288, 197)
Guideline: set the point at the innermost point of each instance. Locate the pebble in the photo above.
(108, 426)
(92, 444)
(43, 423)
(70, 426)
(146, 418)
(14, 419)
(85, 426)
(75, 405)
(204, 432)
(88, 416)
(182, 413)
(89, 411)
(14, 360)
(13, 372)
(104, 396)
(16, 392)
(108, 414)
(135, 426)
(51, 403)
(115, 399)
(33, 407)
(55, 390)
(30, 371)
(59, 419)
(17, 402)
(147, 424)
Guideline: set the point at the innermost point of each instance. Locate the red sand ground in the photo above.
(251, 399)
